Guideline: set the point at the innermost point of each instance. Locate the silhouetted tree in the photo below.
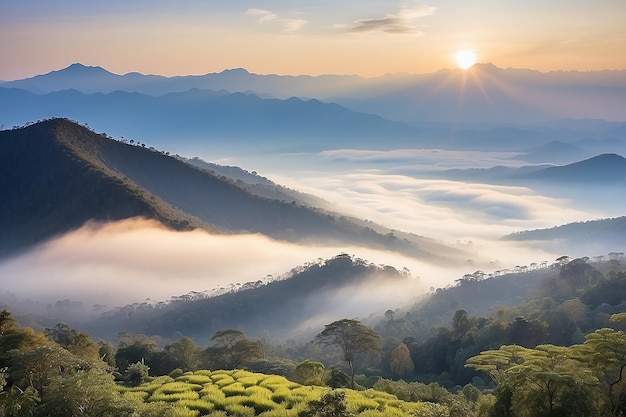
(353, 338)
(232, 349)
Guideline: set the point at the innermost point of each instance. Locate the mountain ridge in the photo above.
(450, 94)
(178, 192)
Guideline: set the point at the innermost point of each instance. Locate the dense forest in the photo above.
(559, 352)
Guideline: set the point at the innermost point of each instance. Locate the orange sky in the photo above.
(369, 39)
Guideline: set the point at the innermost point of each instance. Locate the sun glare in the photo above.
(465, 59)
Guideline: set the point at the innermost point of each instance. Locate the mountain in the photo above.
(259, 185)
(197, 117)
(555, 151)
(52, 181)
(605, 169)
(94, 79)
(295, 305)
(611, 231)
(488, 94)
(55, 175)
(481, 94)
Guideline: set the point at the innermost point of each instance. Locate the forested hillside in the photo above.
(278, 307)
(56, 175)
(559, 352)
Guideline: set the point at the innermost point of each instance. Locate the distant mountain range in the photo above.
(605, 169)
(56, 175)
(482, 94)
(609, 231)
(197, 117)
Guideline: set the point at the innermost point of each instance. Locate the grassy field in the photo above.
(242, 393)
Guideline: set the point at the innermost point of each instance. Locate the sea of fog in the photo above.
(136, 260)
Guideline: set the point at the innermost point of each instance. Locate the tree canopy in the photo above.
(353, 338)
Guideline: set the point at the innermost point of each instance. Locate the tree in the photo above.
(546, 381)
(309, 373)
(79, 344)
(460, 324)
(401, 363)
(605, 350)
(7, 323)
(232, 349)
(134, 348)
(353, 338)
(137, 373)
(331, 404)
(185, 352)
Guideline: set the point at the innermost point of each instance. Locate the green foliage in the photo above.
(354, 339)
(18, 403)
(137, 373)
(309, 373)
(271, 396)
(331, 404)
(232, 349)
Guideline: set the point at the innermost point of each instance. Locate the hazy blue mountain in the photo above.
(482, 94)
(93, 79)
(488, 94)
(56, 175)
(197, 116)
(611, 231)
(555, 152)
(605, 169)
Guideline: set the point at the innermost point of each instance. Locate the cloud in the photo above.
(415, 160)
(129, 261)
(263, 15)
(288, 25)
(401, 22)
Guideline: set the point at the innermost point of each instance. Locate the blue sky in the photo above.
(296, 37)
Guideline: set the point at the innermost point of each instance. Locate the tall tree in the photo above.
(232, 349)
(401, 363)
(185, 352)
(605, 350)
(353, 338)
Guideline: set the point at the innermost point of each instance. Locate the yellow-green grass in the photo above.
(242, 394)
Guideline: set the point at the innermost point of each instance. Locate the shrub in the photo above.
(204, 407)
(195, 379)
(176, 373)
(184, 412)
(240, 410)
(233, 389)
(172, 387)
(173, 397)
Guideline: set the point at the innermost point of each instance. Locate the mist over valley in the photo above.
(152, 188)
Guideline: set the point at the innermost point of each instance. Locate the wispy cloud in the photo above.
(263, 15)
(266, 16)
(401, 22)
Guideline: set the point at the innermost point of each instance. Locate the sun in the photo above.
(465, 58)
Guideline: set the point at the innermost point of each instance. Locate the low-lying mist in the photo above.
(103, 266)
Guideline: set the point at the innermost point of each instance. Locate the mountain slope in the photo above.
(611, 231)
(48, 185)
(609, 168)
(286, 307)
(57, 174)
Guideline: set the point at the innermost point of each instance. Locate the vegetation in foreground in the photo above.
(556, 362)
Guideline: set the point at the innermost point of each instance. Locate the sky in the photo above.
(296, 37)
